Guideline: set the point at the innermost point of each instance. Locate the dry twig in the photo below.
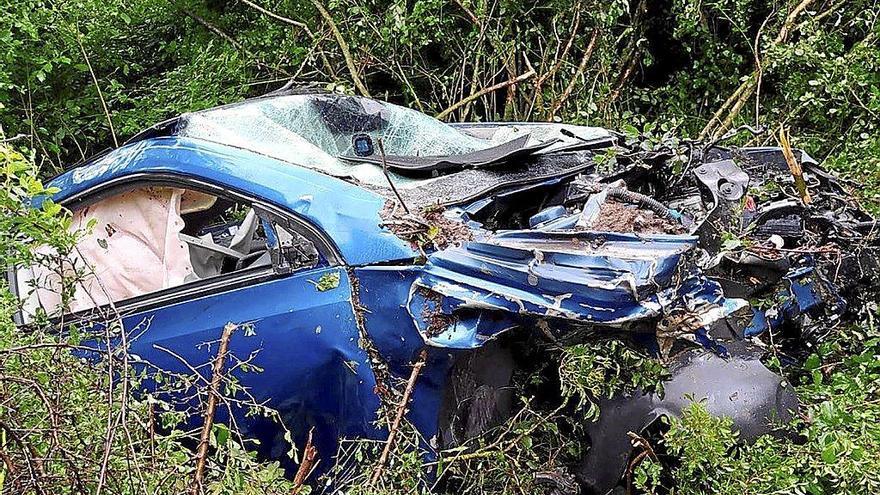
(309, 457)
(97, 87)
(580, 70)
(468, 99)
(401, 410)
(213, 397)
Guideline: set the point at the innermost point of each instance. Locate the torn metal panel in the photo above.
(613, 279)
(802, 293)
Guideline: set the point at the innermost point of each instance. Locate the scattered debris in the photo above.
(328, 281)
(430, 231)
(444, 232)
(615, 216)
(432, 313)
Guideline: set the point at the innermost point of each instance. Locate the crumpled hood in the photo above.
(468, 294)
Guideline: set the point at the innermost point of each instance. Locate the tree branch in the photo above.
(745, 90)
(349, 61)
(97, 87)
(455, 106)
(213, 387)
(580, 70)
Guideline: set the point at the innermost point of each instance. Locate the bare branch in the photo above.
(401, 410)
(455, 106)
(216, 379)
(97, 87)
(580, 70)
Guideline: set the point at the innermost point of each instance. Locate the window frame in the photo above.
(197, 288)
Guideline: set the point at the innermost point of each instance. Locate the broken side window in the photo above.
(150, 238)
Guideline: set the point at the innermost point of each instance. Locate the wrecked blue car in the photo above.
(349, 238)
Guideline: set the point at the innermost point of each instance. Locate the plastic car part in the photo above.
(495, 156)
(739, 387)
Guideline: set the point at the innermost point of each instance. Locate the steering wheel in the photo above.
(211, 246)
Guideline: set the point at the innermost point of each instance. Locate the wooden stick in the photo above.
(455, 106)
(401, 410)
(388, 176)
(213, 387)
(310, 454)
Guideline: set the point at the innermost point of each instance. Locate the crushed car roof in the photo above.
(338, 135)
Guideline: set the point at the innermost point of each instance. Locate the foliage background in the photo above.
(79, 76)
(671, 62)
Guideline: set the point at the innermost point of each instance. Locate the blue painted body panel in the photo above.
(384, 291)
(306, 342)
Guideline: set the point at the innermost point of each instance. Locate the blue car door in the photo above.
(306, 343)
(297, 337)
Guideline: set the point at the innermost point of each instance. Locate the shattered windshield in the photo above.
(316, 131)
